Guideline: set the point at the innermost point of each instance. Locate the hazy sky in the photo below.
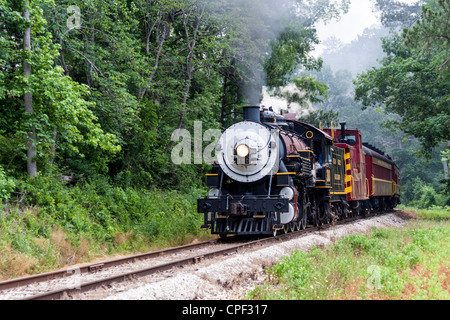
(352, 24)
(359, 17)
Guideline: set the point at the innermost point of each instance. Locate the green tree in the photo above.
(412, 87)
(28, 96)
(414, 78)
(60, 115)
(431, 34)
(398, 14)
(290, 49)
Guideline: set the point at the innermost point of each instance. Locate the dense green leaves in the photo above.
(62, 116)
(112, 80)
(431, 33)
(412, 87)
(290, 49)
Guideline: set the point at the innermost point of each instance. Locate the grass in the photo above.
(408, 263)
(57, 226)
(434, 213)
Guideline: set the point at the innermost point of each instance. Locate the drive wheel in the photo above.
(292, 226)
(304, 222)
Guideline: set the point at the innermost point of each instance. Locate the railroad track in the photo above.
(30, 288)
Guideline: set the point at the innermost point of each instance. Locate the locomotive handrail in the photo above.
(367, 188)
(382, 180)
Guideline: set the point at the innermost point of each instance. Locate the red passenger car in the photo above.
(384, 179)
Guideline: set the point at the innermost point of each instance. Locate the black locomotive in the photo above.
(274, 173)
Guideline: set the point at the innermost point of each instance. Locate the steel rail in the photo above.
(57, 294)
(84, 287)
(58, 274)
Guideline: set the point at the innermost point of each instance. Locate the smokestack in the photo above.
(252, 114)
(342, 139)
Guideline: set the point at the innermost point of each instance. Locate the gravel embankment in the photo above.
(232, 276)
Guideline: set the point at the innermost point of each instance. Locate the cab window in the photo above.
(350, 138)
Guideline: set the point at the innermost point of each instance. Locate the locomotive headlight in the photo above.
(287, 192)
(242, 150)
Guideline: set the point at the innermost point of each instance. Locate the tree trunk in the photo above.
(53, 146)
(165, 34)
(28, 98)
(189, 69)
(445, 163)
(182, 114)
(224, 103)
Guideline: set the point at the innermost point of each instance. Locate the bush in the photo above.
(105, 218)
(7, 185)
(100, 210)
(423, 195)
(427, 198)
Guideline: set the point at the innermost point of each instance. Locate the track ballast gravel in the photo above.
(231, 277)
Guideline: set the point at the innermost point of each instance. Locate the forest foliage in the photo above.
(110, 81)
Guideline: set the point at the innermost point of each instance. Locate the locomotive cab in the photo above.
(319, 143)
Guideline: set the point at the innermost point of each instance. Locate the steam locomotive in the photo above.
(275, 174)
